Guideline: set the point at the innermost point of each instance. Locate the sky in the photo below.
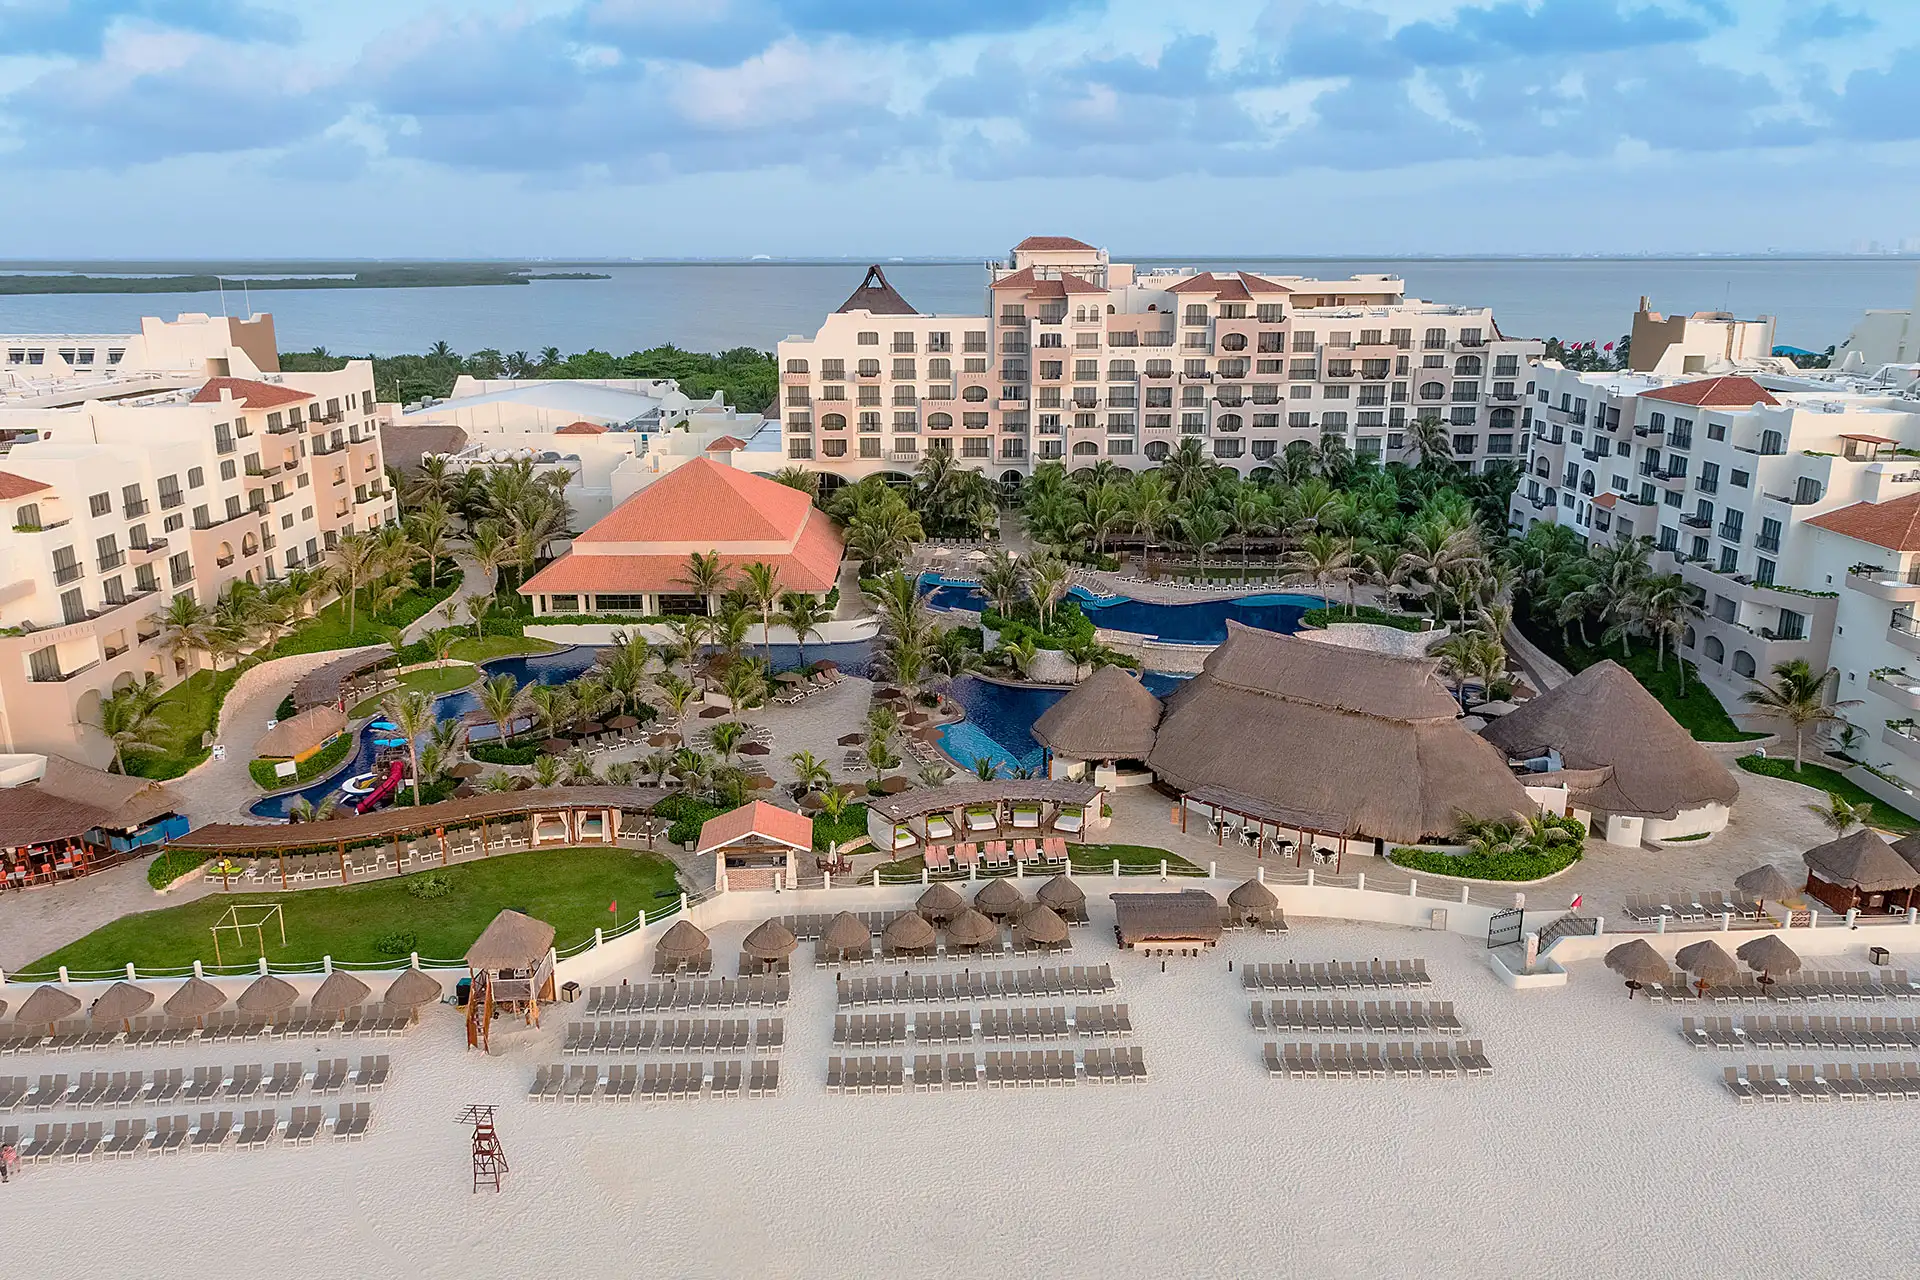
(650, 128)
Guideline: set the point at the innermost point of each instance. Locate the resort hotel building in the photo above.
(1789, 499)
(139, 467)
(1075, 358)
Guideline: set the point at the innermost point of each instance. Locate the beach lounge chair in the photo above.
(257, 1128)
(128, 1137)
(372, 1075)
(49, 1093)
(45, 1143)
(1739, 1088)
(212, 1132)
(82, 1141)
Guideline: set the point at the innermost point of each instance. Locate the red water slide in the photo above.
(392, 784)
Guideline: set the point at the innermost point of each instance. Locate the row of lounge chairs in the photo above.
(683, 1035)
(1432, 1059)
(168, 1135)
(996, 1068)
(813, 684)
(1354, 1015)
(997, 855)
(700, 993)
(869, 1028)
(666, 966)
(1802, 1033)
(1844, 1082)
(1026, 1023)
(299, 1024)
(656, 1081)
(1340, 975)
(1862, 984)
(95, 1089)
(988, 984)
(809, 926)
(1690, 905)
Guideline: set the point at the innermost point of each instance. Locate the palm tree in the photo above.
(487, 547)
(692, 767)
(502, 698)
(952, 655)
(727, 737)
(834, 805)
(427, 526)
(810, 770)
(1201, 528)
(1252, 512)
(1002, 579)
(1149, 508)
(353, 561)
(1431, 439)
(127, 718)
(743, 686)
(412, 714)
(677, 693)
(880, 537)
(1800, 697)
(762, 584)
(985, 769)
(1020, 655)
(550, 706)
(546, 770)
(1668, 607)
(1103, 509)
(499, 780)
(880, 757)
(803, 615)
(658, 765)
(704, 576)
(1048, 578)
(1324, 559)
(1837, 814)
(187, 626)
(807, 482)
(580, 768)
(1188, 471)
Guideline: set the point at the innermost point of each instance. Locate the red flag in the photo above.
(1608, 347)
(614, 906)
(1578, 898)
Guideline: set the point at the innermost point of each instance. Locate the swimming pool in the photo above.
(1202, 622)
(999, 723)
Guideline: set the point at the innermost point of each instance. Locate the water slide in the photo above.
(385, 789)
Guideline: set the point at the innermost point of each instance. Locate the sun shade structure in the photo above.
(47, 1004)
(340, 991)
(939, 903)
(512, 941)
(1253, 901)
(1108, 716)
(1768, 881)
(1860, 870)
(121, 1001)
(1620, 753)
(413, 989)
(846, 934)
(196, 998)
(1766, 955)
(1184, 921)
(1041, 926)
(684, 943)
(908, 931)
(770, 940)
(1064, 896)
(1710, 965)
(302, 734)
(1639, 964)
(1330, 739)
(968, 928)
(267, 995)
(999, 900)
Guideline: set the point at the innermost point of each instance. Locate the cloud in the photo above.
(1828, 22)
(916, 20)
(78, 28)
(1499, 32)
(1879, 106)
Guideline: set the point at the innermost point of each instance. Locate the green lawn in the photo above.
(1085, 858)
(1825, 780)
(487, 648)
(568, 888)
(432, 680)
(328, 628)
(1698, 711)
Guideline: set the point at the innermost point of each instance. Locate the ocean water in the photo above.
(710, 306)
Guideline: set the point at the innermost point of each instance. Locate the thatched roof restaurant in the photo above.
(1187, 921)
(1861, 870)
(1108, 716)
(1332, 740)
(301, 734)
(61, 819)
(1620, 753)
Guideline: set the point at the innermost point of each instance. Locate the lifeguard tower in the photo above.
(512, 968)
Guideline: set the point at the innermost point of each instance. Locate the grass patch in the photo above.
(1365, 613)
(852, 826)
(503, 752)
(171, 865)
(1528, 865)
(319, 764)
(328, 629)
(568, 888)
(1698, 835)
(429, 680)
(1698, 711)
(487, 648)
(1821, 778)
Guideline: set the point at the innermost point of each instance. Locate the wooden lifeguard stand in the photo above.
(489, 1157)
(512, 968)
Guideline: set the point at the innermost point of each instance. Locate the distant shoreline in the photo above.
(449, 276)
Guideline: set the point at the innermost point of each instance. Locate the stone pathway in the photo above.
(34, 922)
(447, 613)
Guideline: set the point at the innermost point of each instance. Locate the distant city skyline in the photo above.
(869, 129)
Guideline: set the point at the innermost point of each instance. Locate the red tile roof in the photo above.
(251, 394)
(768, 821)
(1730, 392)
(726, 444)
(1021, 279)
(1044, 243)
(1606, 500)
(13, 486)
(1235, 286)
(1894, 525)
(582, 429)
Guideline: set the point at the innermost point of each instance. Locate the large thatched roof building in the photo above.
(1861, 870)
(1108, 716)
(1332, 740)
(1622, 757)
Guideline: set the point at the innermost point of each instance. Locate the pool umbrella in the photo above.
(928, 733)
(195, 999)
(465, 769)
(413, 989)
(712, 713)
(1000, 900)
(852, 739)
(556, 746)
(825, 664)
(1766, 881)
(1639, 964)
(592, 727)
(664, 739)
(760, 782)
(683, 943)
(341, 991)
(121, 1002)
(267, 995)
(1767, 955)
(1041, 926)
(1062, 894)
(846, 933)
(886, 691)
(623, 723)
(1708, 963)
(895, 785)
(49, 1005)
(770, 940)
(969, 928)
(940, 903)
(756, 749)
(465, 791)
(908, 931)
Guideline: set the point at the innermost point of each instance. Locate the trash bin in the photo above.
(569, 991)
(461, 990)
(1878, 955)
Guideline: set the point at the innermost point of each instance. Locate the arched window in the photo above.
(1716, 651)
(1157, 450)
(1467, 367)
(1233, 342)
(1227, 422)
(974, 394)
(1433, 391)
(1503, 419)
(1085, 447)
(1011, 477)
(834, 422)
(1689, 640)
(939, 422)
(1743, 663)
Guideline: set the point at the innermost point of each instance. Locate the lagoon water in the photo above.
(710, 306)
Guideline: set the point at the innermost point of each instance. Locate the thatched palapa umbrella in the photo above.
(1639, 964)
(267, 996)
(3, 1008)
(1041, 927)
(48, 1004)
(908, 931)
(939, 903)
(770, 941)
(845, 934)
(121, 1003)
(195, 999)
(999, 900)
(1068, 900)
(412, 990)
(684, 943)
(1709, 964)
(1767, 881)
(968, 928)
(1766, 955)
(895, 785)
(340, 992)
(1253, 902)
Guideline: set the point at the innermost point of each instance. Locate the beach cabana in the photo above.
(1767, 882)
(1709, 964)
(846, 939)
(1862, 871)
(195, 999)
(302, 734)
(908, 934)
(412, 991)
(1253, 905)
(939, 903)
(999, 900)
(756, 846)
(1108, 717)
(1639, 964)
(511, 968)
(1186, 922)
(341, 991)
(683, 948)
(1040, 929)
(969, 931)
(267, 996)
(1065, 898)
(768, 947)
(48, 1004)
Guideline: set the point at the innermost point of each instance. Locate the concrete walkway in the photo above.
(448, 613)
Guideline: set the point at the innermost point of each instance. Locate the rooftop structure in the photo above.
(1108, 716)
(633, 560)
(51, 371)
(58, 818)
(1882, 337)
(1680, 345)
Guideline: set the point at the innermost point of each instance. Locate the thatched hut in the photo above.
(939, 903)
(49, 1004)
(683, 947)
(999, 900)
(1108, 716)
(846, 939)
(1861, 870)
(968, 931)
(195, 999)
(1040, 928)
(121, 1003)
(1639, 964)
(908, 934)
(267, 996)
(1065, 898)
(769, 947)
(412, 990)
(1253, 905)
(512, 967)
(1183, 923)
(340, 992)
(1623, 757)
(1766, 955)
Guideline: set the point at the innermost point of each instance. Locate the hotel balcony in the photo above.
(1902, 589)
(1903, 740)
(1904, 633)
(1900, 689)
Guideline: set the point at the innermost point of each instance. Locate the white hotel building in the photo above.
(135, 468)
(1077, 358)
(1789, 499)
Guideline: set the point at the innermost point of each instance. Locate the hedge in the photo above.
(688, 813)
(1365, 613)
(173, 864)
(502, 753)
(317, 765)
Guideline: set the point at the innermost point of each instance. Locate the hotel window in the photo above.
(1264, 449)
(1228, 448)
(870, 448)
(939, 340)
(1763, 570)
(833, 370)
(903, 370)
(1012, 449)
(1270, 312)
(940, 370)
(799, 448)
(976, 447)
(869, 338)
(869, 369)
(974, 421)
(796, 366)
(976, 340)
(1304, 340)
(833, 448)
(1299, 420)
(869, 423)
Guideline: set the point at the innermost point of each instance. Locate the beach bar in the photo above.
(1183, 923)
(755, 846)
(59, 820)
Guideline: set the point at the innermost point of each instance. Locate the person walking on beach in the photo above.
(9, 1161)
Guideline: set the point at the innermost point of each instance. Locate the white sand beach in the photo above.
(1601, 1145)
